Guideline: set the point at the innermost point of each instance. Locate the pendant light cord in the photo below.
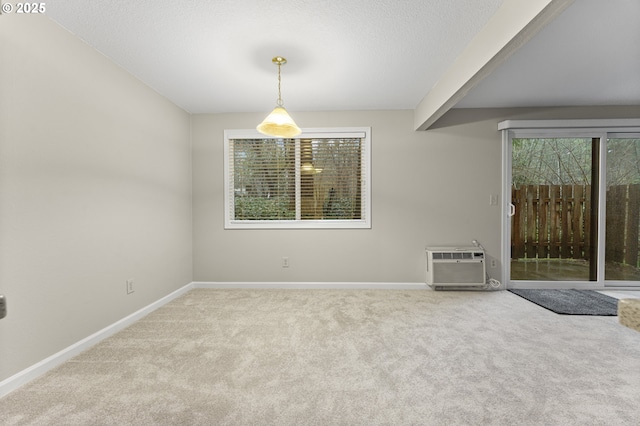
(279, 83)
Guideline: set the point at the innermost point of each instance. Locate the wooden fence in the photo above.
(623, 215)
(553, 221)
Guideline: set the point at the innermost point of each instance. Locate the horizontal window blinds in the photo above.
(321, 178)
(264, 179)
(331, 178)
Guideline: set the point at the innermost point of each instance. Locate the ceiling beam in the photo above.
(515, 23)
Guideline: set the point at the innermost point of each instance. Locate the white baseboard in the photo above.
(14, 382)
(313, 285)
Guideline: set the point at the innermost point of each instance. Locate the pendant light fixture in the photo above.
(279, 123)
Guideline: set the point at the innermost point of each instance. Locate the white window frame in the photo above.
(339, 132)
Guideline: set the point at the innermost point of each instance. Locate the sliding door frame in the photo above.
(594, 129)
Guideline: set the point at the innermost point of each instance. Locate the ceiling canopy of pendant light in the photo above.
(278, 122)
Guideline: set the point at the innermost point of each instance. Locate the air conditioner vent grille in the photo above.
(455, 267)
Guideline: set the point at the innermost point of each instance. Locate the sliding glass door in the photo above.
(621, 260)
(573, 213)
(552, 191)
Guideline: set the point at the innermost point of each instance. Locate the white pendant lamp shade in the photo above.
(279, 123)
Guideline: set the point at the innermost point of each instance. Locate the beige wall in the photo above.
(95, 188)
(429, 188)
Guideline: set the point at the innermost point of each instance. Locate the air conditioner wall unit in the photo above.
(455, 267)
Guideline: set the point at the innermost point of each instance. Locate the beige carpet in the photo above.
(337, 357)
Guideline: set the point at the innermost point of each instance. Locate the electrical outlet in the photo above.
(129, 286)
(494, 263)
(493, 199)
(285, 262)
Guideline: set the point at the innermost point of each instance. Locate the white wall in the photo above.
(95, 188)
(429, 188)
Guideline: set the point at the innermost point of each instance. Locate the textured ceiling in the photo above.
(215, 56)
(589, 55)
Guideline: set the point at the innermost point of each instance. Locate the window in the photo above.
(320, 179)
